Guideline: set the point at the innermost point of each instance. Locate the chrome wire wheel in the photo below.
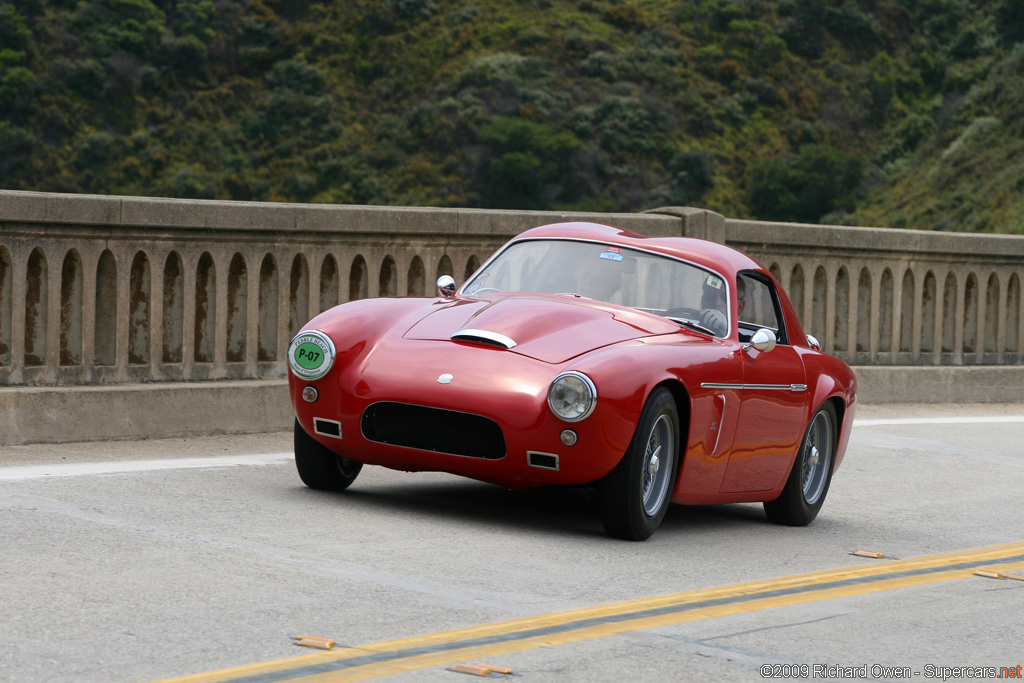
(808, 481)
(817, 454)
(635, 496)
(655, 477)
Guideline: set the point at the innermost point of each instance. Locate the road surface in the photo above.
(204, 557)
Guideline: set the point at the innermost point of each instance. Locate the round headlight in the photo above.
(311, 354)
(572, 396)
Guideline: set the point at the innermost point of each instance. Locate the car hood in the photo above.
(552, 329)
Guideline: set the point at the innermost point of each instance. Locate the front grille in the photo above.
(433, 429)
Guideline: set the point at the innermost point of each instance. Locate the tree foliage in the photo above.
(816, 181)
(852, 111)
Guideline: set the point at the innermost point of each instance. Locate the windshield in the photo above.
(675, 289)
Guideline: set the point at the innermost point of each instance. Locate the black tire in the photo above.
(811, 475)
(321, 468)
(636, 494)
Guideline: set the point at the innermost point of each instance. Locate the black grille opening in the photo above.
(434, 429)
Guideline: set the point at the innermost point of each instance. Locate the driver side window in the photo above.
(758, 307)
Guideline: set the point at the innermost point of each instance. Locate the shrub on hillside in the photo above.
(820, 179)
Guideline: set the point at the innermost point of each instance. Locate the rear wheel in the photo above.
(811, 475)
(321, 468)
(636, 494)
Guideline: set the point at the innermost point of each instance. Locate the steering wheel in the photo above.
(715, 320)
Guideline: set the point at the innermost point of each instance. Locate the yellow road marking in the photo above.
(588, 623)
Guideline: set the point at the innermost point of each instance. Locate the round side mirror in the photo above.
(446, 286)
(763, 340)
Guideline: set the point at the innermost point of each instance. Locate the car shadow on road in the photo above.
(555, 511)
(559, 510)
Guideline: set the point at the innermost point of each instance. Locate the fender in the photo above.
(366, 320)
(835, 380)
(626, 374)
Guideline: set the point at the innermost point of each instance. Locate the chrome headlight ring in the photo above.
(572, 396)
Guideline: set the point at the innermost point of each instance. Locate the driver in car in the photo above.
(715, 308)
(599, 285)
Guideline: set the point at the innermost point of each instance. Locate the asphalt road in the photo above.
(141, 561)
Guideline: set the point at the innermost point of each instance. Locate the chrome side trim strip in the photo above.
(485, 336)
(769, 387)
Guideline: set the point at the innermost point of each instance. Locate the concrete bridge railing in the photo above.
(102, 291)
(898, 297)
(118, 289)
(99, 290)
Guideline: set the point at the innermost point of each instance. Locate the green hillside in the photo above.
(904, 114)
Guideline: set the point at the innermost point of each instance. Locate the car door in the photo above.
(773, 398)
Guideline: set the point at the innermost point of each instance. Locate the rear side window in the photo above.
(759, 306)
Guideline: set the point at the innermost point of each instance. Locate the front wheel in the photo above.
(636, 494)
(320, 467)
(811, 475)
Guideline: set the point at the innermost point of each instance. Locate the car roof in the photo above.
(719, 257)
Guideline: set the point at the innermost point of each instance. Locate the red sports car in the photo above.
(657, 370)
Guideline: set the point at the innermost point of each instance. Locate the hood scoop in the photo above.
(550, 328)
(485, 337)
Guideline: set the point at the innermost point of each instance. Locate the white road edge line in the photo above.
(937, 420)
(23, 472)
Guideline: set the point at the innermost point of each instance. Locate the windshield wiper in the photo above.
(686, 322)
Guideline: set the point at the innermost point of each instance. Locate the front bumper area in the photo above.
(491, 422)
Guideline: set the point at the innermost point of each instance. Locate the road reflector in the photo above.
(988, 575)
(868, 553)
(313, 641)
(480, 669)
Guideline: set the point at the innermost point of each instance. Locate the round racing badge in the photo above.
(311, 354)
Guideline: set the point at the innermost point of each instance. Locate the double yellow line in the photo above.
(559, 628)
